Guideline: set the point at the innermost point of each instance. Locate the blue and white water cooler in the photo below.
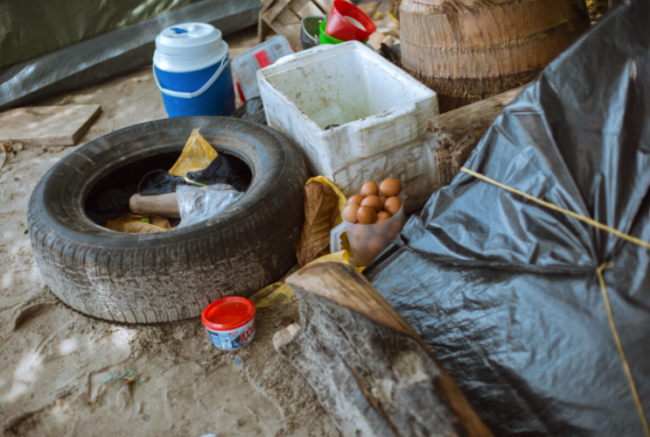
(192, 70)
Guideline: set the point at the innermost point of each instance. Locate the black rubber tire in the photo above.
(162, 277)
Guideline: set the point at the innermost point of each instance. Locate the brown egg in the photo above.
(363, 258)
(373, 201)
(390, 187)
(382, 199)
(394, 229)
(382, 228)
(362, 233)
(393, 205)
(357, 198)
(359, 249)
(377, 243)
(370, 188)
(366, 215)
(383, 216)
(349, 213)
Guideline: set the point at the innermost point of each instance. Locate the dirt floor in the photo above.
(55, 361)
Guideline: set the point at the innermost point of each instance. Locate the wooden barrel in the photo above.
(467, 50)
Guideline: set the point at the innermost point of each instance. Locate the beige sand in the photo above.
(53, 359)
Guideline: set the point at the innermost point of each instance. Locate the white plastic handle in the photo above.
(335, 238)
(200, 91)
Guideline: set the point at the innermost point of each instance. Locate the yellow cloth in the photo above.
(280, 293)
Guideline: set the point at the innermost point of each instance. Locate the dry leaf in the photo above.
(133, 224)
(159, 221)
(321, 209)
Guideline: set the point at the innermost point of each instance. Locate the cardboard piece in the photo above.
(47, 125)
(284, 17)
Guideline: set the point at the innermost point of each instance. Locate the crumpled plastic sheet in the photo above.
(504, 290)
(197, 204)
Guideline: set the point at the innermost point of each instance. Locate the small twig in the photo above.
(11, 306)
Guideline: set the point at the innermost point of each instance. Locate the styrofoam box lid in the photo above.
(247, 63)
(189, 47)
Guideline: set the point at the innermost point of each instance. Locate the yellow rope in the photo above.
(587, 220)
(599, 273)
(619, 346)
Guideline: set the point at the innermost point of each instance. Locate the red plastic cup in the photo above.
(340, 22)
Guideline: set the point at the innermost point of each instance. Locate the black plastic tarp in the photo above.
(504, 290)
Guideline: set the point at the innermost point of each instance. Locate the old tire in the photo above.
(149, 278)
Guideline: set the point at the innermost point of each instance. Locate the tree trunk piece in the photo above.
(372, 372)
(458, 132)
(467, 50)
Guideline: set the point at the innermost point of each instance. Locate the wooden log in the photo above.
(165, 205)
(458, 132)
(467, 50)
(372, 372)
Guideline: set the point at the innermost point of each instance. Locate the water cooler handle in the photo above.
(204, 88)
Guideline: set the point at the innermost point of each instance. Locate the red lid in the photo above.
(228, 313)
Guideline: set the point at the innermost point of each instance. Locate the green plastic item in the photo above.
(326, 39)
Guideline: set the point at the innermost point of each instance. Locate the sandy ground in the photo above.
(54, 360)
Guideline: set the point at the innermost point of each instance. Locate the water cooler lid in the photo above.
(189, 47)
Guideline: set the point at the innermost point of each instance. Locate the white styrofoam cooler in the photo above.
(380, 110)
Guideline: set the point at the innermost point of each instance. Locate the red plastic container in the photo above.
(340, 28)
(230, 321)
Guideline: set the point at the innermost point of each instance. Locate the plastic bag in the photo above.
(197, 204)
(253, 110)
(196, 155)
